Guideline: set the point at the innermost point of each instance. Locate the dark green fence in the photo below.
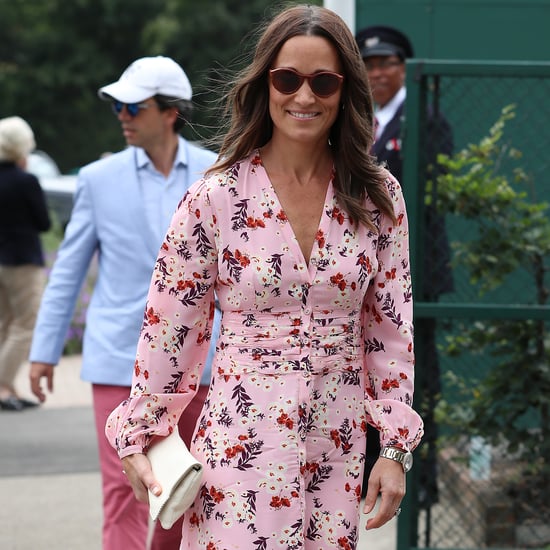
(466, 492)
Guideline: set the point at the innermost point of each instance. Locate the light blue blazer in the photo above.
(108, 218)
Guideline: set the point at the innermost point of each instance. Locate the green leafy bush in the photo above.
(510, 405)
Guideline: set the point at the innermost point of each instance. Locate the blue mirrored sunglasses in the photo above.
(132, 108)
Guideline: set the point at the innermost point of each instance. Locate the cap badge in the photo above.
(371, 42)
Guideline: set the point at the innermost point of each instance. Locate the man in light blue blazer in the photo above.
(123, 206)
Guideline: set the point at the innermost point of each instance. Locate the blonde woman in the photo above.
(23, 216)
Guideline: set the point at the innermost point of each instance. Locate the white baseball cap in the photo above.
(147, 77)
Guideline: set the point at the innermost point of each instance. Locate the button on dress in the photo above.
(308, 355)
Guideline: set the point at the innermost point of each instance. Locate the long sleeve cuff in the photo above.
(399, 424)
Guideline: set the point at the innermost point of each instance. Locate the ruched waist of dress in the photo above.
(285, 342)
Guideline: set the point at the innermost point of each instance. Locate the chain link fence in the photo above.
(480, 243)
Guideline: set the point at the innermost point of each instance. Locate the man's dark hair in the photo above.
(184, 107)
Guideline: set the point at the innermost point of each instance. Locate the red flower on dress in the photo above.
(279, 502)
(376, 315)
(281, 216)
(339, 281)
(152, 317)
(344, 543)
(338, 215)
(242, 258)
(403, 432)
(320, 238)
(388, 385)
(285, 420)
(253, 223)
(232, 452)
(182, 285)
(217, 496)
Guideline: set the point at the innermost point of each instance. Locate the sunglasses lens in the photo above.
(324, 84)
(117, 107)
(132, 108)
(285, 81)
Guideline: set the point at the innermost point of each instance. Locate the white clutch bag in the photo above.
(179, 474)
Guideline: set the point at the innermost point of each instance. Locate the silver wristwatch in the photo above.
(404, 457)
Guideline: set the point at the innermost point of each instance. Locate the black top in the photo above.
(23, 215)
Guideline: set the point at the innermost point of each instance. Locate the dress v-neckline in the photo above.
(288, 230)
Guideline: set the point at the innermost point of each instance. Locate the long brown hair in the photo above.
(250, 127)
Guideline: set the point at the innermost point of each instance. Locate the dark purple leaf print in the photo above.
(225, 419)
(345, 434)
(321, 474)
(182, 249)
(161, 267)
(275, 262)
(243, 399)
(365, 268)
(374, 345)
(234, 172)
(252, 451)
(260, 543)
(240, 216)
(180, 333)
(158, 413)
(203, 243)
(351, 377)
(296, 533)
(389, 309)
(312, 532)
(384, 241)
(172, 387)
(193, 294)
(233, 265)
(250, 498)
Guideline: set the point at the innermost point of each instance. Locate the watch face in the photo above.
(407, 462)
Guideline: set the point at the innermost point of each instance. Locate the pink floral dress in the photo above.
(307, 355)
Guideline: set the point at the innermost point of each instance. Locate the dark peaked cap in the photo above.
(382, 40)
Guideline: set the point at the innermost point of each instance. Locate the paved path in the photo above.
(49, 476)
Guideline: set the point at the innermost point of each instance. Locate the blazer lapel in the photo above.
(133, 187)
(391, 131)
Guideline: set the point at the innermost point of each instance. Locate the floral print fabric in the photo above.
(307, 355)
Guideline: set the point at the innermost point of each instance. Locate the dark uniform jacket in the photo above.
(439, 139)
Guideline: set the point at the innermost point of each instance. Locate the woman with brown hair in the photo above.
(304, 241)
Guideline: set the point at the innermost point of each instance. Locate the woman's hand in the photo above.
(140, 475)
(387, 478)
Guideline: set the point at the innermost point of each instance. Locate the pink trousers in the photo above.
(125, 520)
